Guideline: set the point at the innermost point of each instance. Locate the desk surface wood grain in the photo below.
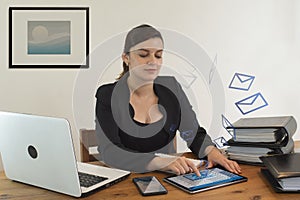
(256, 188)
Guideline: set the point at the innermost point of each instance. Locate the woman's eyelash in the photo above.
(143, 55)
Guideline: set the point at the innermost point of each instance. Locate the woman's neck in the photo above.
(144, 101)
(140, 88)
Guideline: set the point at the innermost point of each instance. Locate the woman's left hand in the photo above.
(216, 157)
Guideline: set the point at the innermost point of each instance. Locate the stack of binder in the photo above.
(260, 136)
(282, 171)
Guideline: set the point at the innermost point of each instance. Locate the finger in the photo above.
(181, 164)
(227, 166)
(236, 167)
(180, 168)
(193, 168)
(185, 164)
(232, 167)
(175, 170)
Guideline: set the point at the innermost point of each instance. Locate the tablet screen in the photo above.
(213, 178)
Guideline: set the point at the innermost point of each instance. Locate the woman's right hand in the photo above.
(178, 165)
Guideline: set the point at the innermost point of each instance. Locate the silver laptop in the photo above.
(38, 150)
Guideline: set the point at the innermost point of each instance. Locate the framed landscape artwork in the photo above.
(53, 37)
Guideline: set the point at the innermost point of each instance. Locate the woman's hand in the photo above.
(178, 165)
(182, 166)
(216, 157)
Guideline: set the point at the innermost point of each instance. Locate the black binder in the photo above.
(284, 165)
(282, 139)
(272, 133)
(274, 182)
(282, 168)
(288, 122)
(284, 128)
(271, 151)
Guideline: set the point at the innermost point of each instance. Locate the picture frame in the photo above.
(49, 37)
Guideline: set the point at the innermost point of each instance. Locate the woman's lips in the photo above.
(151, 70)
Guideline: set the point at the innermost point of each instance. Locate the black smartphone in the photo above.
(149, 185)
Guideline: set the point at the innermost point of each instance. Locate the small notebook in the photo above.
(214, 178)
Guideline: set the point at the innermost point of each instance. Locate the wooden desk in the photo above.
(255, 188)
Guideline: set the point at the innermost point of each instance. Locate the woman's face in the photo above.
(145, 59)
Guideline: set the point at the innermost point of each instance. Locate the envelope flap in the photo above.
(249, 100)
(244, 77)
(225, 122)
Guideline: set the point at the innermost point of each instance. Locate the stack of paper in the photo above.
(255, 135)
(290, 183)
(247, 154)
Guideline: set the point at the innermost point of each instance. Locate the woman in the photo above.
(139, 114)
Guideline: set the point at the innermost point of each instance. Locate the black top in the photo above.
(127, 144)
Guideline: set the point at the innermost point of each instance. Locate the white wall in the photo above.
(260, 38)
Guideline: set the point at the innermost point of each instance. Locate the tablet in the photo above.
(209, 179)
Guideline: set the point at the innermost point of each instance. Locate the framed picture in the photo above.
(48, 37)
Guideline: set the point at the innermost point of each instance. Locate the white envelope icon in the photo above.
(241, 81)
(251, 103)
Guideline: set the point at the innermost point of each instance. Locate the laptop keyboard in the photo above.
(87, 180)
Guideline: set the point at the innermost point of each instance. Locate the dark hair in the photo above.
(135, 36)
